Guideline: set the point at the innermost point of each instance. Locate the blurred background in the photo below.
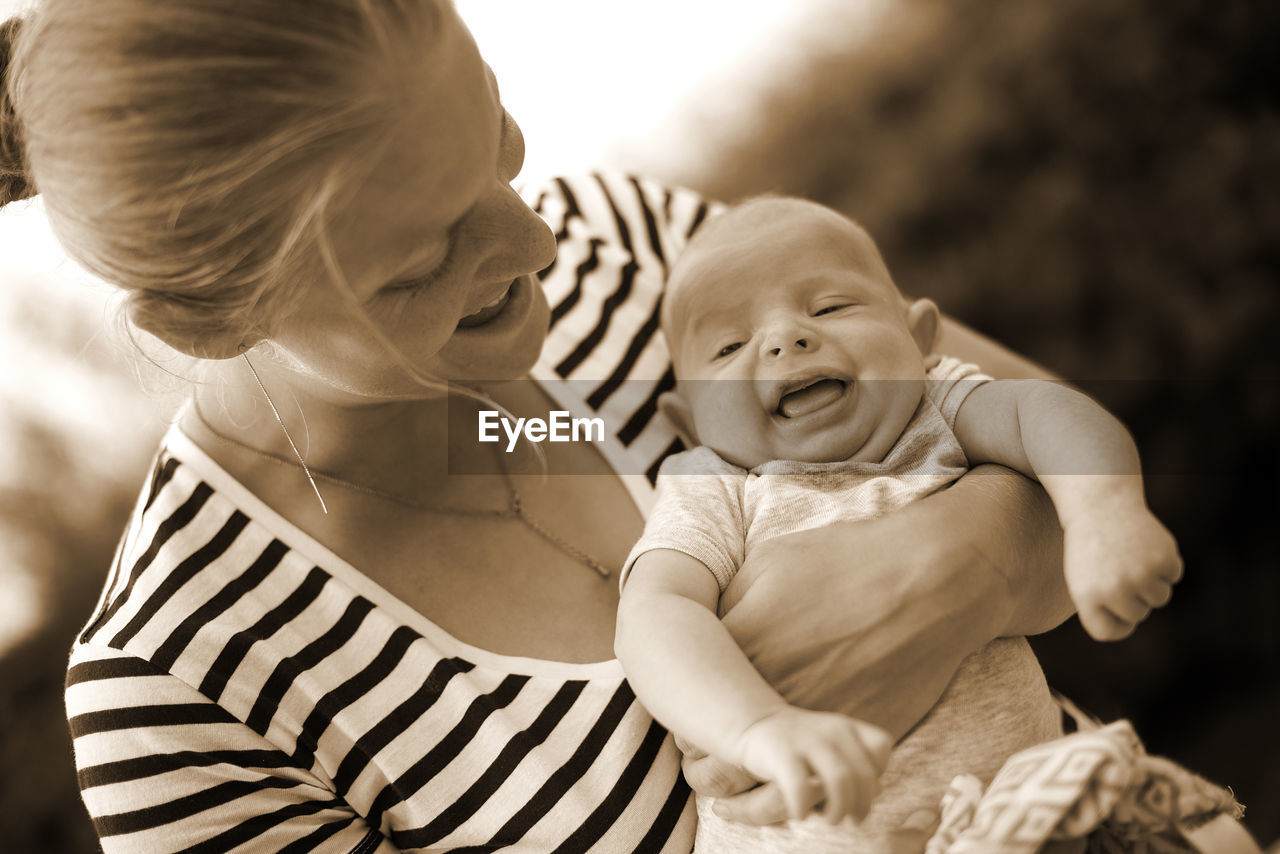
(1093, 183)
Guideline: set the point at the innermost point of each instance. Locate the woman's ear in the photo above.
(925, 324)
(677, 410)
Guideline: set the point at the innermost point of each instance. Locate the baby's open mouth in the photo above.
(810, 397)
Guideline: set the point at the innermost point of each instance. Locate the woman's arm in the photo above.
(917, 591)
(1029, 552)
(956, 339)
(911, 604)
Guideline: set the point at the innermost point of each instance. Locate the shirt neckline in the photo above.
(296, 539)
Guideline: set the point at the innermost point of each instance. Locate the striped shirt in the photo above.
(239, 687)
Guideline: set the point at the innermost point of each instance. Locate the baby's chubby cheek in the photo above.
(734, 434)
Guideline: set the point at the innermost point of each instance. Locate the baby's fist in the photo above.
(1119, 566)
(818, 757)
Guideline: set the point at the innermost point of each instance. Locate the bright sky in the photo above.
(611, 84)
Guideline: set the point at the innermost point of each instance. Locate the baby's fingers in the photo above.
(851, 768)
(1128, 606)
(1103, 625)
(876, 743)
(792, 776)
(868, 759)
(1155, 592)
(845, 785)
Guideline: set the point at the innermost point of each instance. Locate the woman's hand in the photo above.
(835, 617)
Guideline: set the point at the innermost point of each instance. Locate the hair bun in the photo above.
(14, 183)
(194, 326)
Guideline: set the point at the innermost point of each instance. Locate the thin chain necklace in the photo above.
(513, 511)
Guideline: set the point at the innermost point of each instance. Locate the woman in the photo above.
(316, 635)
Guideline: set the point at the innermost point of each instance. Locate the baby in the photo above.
(811, 386)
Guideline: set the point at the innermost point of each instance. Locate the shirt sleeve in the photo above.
(649, 221)
(698, 512)
(949, 382)
(163, 768)
(617, 236)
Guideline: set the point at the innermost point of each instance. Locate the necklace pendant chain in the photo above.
(301, 462)
(513, 511)
(517, 509)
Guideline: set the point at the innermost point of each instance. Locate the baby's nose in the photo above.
(788, 340)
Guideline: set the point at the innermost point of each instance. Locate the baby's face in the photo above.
(790, 340)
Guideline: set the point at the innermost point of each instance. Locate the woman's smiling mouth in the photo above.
(490, 311)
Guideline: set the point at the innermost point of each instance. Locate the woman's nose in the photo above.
(519, 241)
(787, 339)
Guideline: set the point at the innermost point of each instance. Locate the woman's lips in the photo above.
(810, 398)
(488, 312)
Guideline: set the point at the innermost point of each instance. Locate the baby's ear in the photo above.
(925, 324)
(677, 410)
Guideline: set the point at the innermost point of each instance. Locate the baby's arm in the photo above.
(1119, 561)
(693, 678)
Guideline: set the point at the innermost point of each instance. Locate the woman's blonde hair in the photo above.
(189, 151)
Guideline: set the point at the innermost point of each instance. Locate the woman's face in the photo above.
(435, 244)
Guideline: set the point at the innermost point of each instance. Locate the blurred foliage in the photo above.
(1095, 184)
(41, 804)
(76, 434)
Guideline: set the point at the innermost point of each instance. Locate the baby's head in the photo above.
(790, 339)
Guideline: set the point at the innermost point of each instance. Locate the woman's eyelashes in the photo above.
(420, 283)
(407, 285)
(408, 289)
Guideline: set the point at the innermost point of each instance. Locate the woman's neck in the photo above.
(402, 446)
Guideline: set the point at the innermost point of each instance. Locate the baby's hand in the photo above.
(1119, 565)
(798, 749)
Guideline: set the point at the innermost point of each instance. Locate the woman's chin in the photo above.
(505, 348)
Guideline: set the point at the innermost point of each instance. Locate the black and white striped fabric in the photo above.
(239, 687)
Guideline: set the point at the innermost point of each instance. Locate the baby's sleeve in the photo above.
(698, 511)
(949, 382)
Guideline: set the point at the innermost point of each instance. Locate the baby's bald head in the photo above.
(740, 242)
